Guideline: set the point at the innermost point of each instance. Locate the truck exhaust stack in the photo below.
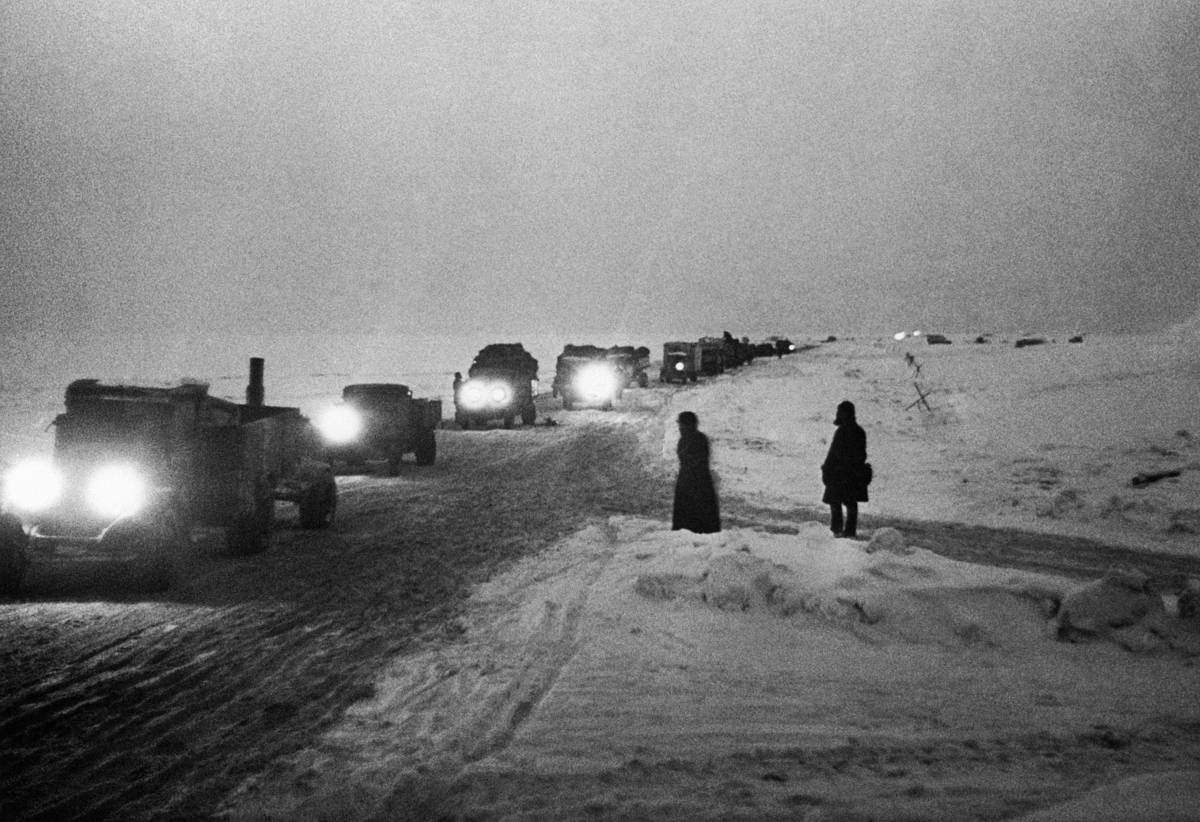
(254, 391)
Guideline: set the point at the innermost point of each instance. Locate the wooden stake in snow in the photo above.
(920, 400)
(1145, 479)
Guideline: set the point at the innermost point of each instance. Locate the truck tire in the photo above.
(426, 451)
(392, 469)
(643, 381)
(250, 531)
(14, 555)
(508, 420)
(528, 415)
(318, 504)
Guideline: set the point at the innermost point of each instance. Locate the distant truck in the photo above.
(632, 362)
(380, 422)
(134, 469)
(585, 377)
(501, 384)
(712, 356)
(782, 345)
(680, 362)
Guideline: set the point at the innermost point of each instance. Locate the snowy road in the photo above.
(112, 706)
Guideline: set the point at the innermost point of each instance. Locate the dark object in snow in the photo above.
(831, 338)
(1078, 338)
(1027, 341)
(695, 507)
(937, 339)
(1145, 479)
(982, 339)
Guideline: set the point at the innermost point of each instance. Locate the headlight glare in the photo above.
(33, 485)
(679, 366)
(500, 393)
(116, 491)
(596, 382)
(340, 424)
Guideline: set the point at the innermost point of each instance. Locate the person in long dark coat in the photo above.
(696, 506)
(844, 472)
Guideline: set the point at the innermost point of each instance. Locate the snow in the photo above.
(636, 672)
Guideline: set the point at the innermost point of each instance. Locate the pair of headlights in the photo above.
(117, 490)
(480, 394)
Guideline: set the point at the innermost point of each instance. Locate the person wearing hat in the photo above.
(696, 507)
(845, 472)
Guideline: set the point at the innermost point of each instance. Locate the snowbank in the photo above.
(611, 675)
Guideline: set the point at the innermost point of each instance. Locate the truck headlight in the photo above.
(116, 491)
(474, 394)
(32, 486)
(340, 424)
(500, 393)
(596, 382)
(679, 366)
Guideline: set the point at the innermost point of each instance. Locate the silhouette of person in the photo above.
(696, 506)
(844, 472)
(458, 381)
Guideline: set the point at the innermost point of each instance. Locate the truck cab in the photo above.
(501, 384)
(380, 422)
(681, 362)
(585, 377)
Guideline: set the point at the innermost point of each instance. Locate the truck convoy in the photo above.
(134, 469)
(501, 384)
(380, 421)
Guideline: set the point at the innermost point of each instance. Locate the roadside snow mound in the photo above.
(882, 589)
(887, 589)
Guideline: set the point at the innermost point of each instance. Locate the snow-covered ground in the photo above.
(777, 672)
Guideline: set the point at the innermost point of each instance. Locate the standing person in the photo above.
(845, 472)
(695, 495)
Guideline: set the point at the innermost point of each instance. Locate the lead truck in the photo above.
(135, 468)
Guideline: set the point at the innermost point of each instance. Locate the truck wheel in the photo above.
(250, 531)
(426, 452)
(14, 557)
(643, 381)
(528, 415)
(318, 504)
(508, 420)
(392, 468)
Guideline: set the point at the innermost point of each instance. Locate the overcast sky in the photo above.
(506, 167)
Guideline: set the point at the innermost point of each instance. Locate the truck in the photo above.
(134, 469)
(380, 422)
(585, 377)
(501, 384)
(680, 362)
(712, 356)
(632, 362)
